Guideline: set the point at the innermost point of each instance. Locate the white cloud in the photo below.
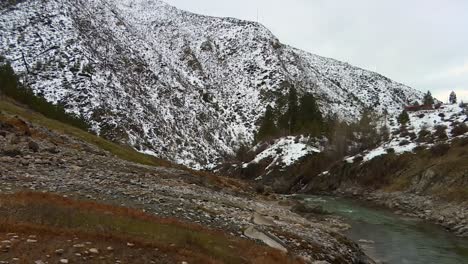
(458, 71)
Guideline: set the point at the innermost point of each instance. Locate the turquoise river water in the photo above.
(394, 239)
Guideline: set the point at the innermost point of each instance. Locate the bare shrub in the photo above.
(459, 129)
(440, 132)
(439, 150)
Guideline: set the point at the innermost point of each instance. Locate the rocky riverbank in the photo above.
(34, 158)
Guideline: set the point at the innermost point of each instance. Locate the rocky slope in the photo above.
(34, 158)
(178, 85)
(420, 170)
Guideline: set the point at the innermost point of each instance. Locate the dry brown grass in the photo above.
(58, 215)
(449, 163)
(52, 238)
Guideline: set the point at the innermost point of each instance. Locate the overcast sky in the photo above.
(421, 43)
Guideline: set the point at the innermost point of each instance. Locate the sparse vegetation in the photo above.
(459, 129)
(440, 132)
(10, 86)
(440, 149)
(60, 215)
(120, 151)
(424, 135)
(403, 118)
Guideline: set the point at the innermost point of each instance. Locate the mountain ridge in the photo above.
(175, 84)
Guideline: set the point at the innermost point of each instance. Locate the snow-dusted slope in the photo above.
(424, 129)
(285, 151)
(185, 87)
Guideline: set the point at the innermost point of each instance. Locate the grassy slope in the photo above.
(52, 214)
(450, 167)
(408, 171)
(120, 151)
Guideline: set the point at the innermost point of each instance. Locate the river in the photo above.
(390, 238)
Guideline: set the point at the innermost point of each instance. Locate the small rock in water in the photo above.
(31, 241)
(94, 250)
(64, 261)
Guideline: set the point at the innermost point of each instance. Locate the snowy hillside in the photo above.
(178, 85)
(425, 128)
(285, 151)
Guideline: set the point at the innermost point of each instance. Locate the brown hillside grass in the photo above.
(53, 214)
(449, 162)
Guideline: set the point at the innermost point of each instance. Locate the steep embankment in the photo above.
(422, 170)
(185, 87)
(188, 216)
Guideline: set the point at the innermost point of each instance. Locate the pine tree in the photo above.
(309, 117)
(8, 79)
(292, 110)
(267, 127)
(287, 122)
(11, 87)
(428, 99)
(367, 128)
(403, 118)
(453, 98)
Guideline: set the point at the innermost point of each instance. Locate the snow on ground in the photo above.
(419, 120)
(185, 87)
(285, 151)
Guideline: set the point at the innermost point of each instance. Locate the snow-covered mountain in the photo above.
(182, 86)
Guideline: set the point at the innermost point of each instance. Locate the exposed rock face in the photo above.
(182, 86)
(422, 183)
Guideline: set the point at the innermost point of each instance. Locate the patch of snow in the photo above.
(428, 120)
(285, 151)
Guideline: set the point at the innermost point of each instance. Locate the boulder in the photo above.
(33, 146)
(305, 208)
(268, 239)
(262, 220)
